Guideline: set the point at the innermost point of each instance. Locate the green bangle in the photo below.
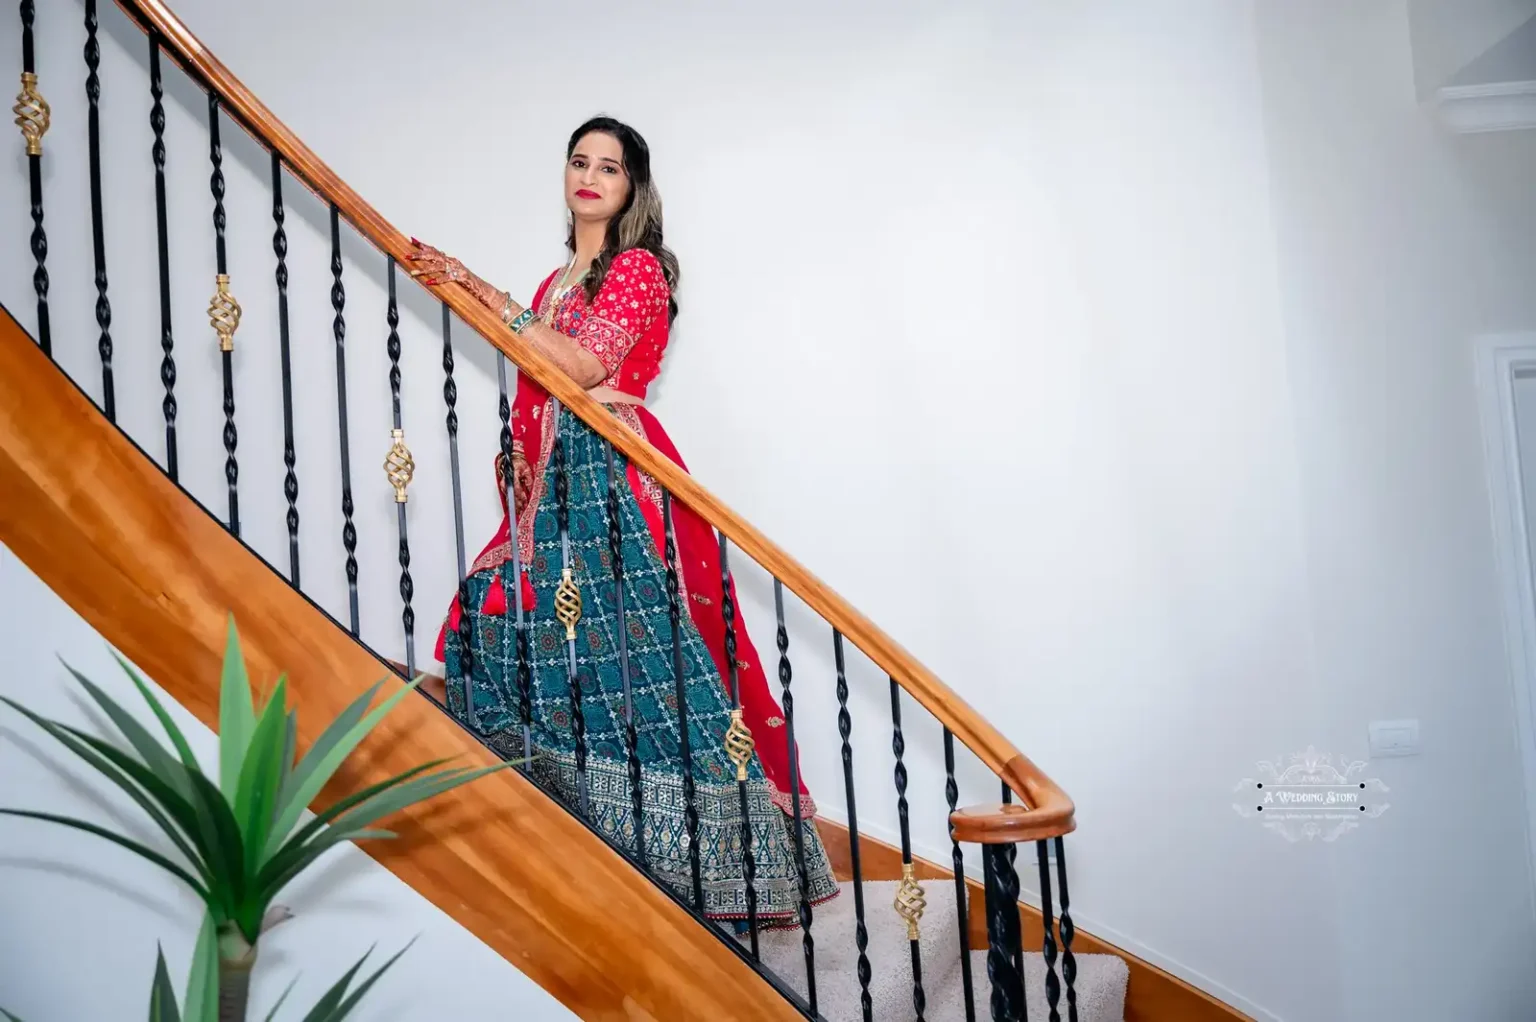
(522, 320)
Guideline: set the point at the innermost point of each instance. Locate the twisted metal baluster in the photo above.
(290, 456)
(224, 314)
(339, 330)
(451, 421)
(845, 728)
(163, 250)
(568, 607)
(808, 943)
(738, 740)
(32, 117)
(1068, 962)
(962, 897)
(399, 468)
(631, 737)
(1012, 853)
(512, 589)
(1052, 984)
(675, 615)
(909, 894)
(98, 231)
(1004, 948)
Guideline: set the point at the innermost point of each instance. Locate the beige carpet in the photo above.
(1100, 985)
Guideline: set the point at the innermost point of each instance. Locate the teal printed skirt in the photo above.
(497, 703)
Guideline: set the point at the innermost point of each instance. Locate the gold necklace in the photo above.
(552, 309)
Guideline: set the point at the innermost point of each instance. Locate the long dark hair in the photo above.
(638, 223)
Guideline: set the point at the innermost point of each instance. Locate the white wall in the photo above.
(1215, 498)
(1398, 245)
(82, 918)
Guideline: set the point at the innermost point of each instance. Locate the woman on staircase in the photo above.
(604, 320)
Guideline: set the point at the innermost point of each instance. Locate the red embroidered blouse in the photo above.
(625, 326)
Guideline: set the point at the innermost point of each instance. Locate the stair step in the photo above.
(1100, 984)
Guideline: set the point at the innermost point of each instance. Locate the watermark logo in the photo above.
(1309, 798)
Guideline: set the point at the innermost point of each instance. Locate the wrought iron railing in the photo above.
(1044, 814)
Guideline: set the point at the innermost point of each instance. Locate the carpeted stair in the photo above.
(1100, 985)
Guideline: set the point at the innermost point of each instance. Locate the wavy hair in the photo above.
(638, 223)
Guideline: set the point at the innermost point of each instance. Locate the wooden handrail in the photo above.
(1047, 805)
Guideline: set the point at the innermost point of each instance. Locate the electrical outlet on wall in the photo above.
(1394, 738)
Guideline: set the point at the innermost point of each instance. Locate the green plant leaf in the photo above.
(296, 855)
(274, 880)
(271, 1015)
(343, 1009)
(128, 843)
(311, 828)
(202, 1000)
(411, 793)
(224, 849)
(12, 1018)
(102, 756)
(177, 738)
(330, 750)
(259, 776)
(332, 998)
(150, 751)
(237, 717)
(162, 996)
(290, 748)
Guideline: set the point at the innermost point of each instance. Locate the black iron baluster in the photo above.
(568, 606)
(512, 588)
(451, 420)
(32, 117)
(785, 674)
(1068, 962)
(1004, 947)
(631, 737)
(98, 230)
(845, 728)
(400, 467)
(339, 329)
(962, 896)
(909, 894)
(1012, 853)
(674, 613)
(163, 248)
(1052, 984)
(738, 740)
(224, 313)
(290, 455)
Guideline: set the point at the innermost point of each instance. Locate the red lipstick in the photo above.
(587, 194)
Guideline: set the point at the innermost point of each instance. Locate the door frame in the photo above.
(1499, 359)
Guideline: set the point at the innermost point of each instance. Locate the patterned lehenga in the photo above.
(626, 327)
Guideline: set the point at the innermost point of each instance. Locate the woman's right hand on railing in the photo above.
(522, 478)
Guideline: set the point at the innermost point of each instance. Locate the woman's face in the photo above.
(596, 183)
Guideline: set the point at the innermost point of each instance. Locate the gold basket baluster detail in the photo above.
(32, 114)
(224, 313)
(399, 466)
(910, 900)
(739, 744)
(568, 604)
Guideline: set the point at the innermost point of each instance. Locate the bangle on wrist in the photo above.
(521, 322)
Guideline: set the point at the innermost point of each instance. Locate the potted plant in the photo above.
(241, 840)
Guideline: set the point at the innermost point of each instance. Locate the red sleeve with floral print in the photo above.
(633, 296)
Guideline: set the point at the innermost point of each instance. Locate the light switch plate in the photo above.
(1394, 738)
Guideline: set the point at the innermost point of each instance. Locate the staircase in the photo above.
(1099, 987)
(111, 528)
